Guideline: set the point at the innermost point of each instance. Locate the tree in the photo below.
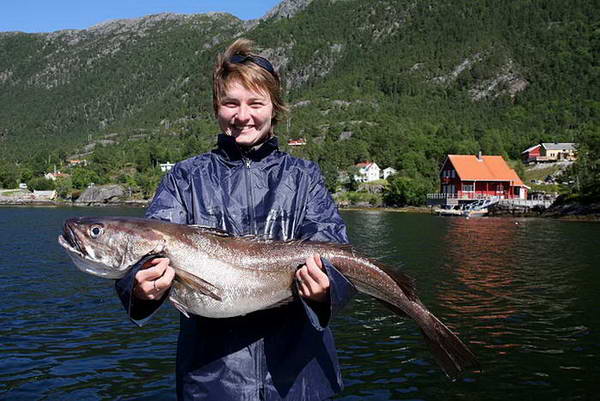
(403, 191)
(8, 176)
(64, 186)
(585, 172)
(82, 177)
(41, 184)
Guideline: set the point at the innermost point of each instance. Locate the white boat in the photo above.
(473, 209)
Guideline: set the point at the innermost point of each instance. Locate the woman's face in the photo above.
(245, 114)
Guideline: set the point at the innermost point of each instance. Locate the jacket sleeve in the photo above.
(324, 223)
(166, 205)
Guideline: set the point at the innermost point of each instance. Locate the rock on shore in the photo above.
(101, 194)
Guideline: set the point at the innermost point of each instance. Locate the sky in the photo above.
(53, 15)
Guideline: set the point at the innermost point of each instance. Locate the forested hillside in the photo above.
(399, 82)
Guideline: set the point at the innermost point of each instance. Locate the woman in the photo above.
(248, 187)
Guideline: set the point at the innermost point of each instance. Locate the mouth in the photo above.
(243, 128)
(70, 241)
(83, 261)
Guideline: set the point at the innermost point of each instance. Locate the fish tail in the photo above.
(450, 353)
(398, 293)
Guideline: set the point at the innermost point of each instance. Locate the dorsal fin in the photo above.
(211, 230)
(405, 282)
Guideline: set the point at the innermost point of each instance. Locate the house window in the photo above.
(499, 188)
(449, 173)
(448, 189)
(468, 187)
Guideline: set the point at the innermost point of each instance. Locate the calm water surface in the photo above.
(522, 293)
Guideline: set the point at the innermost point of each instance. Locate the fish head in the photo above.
(109, 246)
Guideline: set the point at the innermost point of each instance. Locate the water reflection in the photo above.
(512, 294)
(521, 293)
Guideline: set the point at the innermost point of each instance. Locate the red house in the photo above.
(532, 153)
(550, 152)
(480, 177)
(297, 142)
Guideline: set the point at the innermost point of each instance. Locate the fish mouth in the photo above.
(70, 241)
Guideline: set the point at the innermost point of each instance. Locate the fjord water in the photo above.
(522, 293)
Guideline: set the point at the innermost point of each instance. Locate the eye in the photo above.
(95, 231)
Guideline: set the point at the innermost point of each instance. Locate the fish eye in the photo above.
(95, 231)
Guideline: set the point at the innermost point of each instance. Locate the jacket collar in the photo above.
(231, 151)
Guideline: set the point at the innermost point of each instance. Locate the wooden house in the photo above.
(550, 152)
(367, 172)
(470, 177)
(531, 154)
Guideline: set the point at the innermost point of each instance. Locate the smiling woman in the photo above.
(246, 186)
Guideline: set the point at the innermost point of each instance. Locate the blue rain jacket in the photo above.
(284, 353)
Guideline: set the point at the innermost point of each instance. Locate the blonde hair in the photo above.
(250, 71)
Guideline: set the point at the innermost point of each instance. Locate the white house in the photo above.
(54, 176)
(367, 171)
(388, 171)
(164, 167)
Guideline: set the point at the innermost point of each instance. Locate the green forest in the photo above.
(401, 83)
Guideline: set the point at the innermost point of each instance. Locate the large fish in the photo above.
(218, 275)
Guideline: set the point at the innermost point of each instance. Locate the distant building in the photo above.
(550, 152)
(77, 162)
(367, 171)
(388, 171)
(480, 177)
(297, 142)
(44, 195)
(164, 167)
(56, 175)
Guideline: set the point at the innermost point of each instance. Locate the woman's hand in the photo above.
(312, 280)
(154, 279)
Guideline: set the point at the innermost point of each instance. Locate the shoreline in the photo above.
(51, 203)
(408, 209)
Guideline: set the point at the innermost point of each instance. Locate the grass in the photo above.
(11, 192)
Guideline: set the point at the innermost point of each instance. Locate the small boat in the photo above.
(473, 209)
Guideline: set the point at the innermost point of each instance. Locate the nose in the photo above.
(243, 113)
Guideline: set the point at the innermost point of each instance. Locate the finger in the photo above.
(164, 282)
(317, 275)
(313, 286)
(154, 272)
(144, 290)
(318, 261)
(303, 288)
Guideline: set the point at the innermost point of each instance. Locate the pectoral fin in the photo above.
(180, 307)
(195, 283)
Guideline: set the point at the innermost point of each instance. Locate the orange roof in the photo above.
(489, 168)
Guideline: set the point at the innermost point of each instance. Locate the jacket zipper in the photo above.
(251, 216)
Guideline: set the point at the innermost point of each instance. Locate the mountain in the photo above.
(63, 86)
(396, 81)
